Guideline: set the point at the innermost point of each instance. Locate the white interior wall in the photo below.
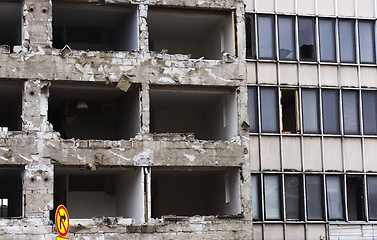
(130, 195)
(126, 33)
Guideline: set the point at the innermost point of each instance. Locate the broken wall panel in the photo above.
(94, 111)
(200, 34)
(110, 193)
(189, 192)
(208, 114)
(94, 27)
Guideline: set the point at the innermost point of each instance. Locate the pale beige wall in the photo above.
(254, 153)
(348, 76)
(316, 231)
(329, 76)
(251, 73)
(312, 154)
(273, 231)
(295, 231)
(308, 75)
(368, 77)
(352, 154)
(270, 151)
(288, 74)
(291, 154)
(333, 154)
(370, 146)
(267, 73)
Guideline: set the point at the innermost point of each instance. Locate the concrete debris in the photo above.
(8, 154)
(65, 51)
(124, 83)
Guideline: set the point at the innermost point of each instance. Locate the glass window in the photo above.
(255, 198)
(366, 42)
(330, 109)
(310, 110)
(252, 107)
(272, 197)
(269, 109)
(372, 197)
(351, 112)
(355, 198)
(266, 37)
(327, 40)
(334, 197)
(287, 44)
(306, 38)
(347, 41)
(293, 197)
(250, 36)
(370, 112)
(314, 197)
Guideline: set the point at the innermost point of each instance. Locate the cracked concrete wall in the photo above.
(38, 149)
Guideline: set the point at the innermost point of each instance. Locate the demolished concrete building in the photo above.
(133, 114)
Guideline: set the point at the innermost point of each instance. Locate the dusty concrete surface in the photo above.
(38, 149)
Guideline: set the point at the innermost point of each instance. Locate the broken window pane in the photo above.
(289, 109)
(208, 114)
(307, 39)
(250, 36)
(252, 107)
(310, 110)
(10, 23)
(372, 197)
(287, 43)
(269, 109)
(314, 197)
(293, 197)
(11, 192)
(366, 42)
(327, 40)
(199, 33)
(351, 112)
(330, 108)
(272, 197)
(334, 197)
(94, 112)
(266, 36)
(370, 112)
(255, 196)
(86, 28)
(104, 192)
(355, 198)
(190, 192)
(347, 41)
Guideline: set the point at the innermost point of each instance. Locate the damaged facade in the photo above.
(131, 113)
(311, 73)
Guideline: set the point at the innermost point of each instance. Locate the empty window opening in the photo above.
(201, 34)
(289, 110)
(92, 27)
(94, 111)
(209, 115)
(11, 105)
(306, 37)
(189, 192)
(355, 198)
(104, 192)
(10, 192)
(10, 23)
